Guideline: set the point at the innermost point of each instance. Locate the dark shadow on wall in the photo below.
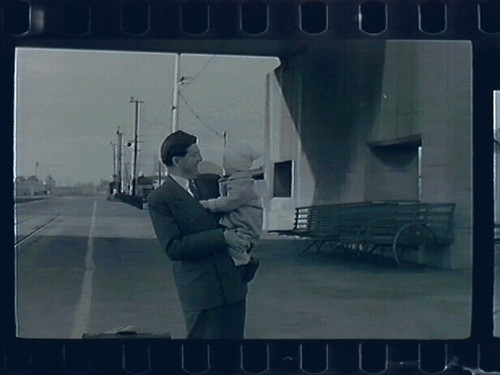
(333, 92)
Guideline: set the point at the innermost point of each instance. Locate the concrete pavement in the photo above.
(317, 296)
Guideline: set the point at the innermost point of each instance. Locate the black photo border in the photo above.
(44, 26)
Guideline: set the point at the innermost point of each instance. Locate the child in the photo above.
(241, 207)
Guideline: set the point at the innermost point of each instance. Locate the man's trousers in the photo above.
(221, 322)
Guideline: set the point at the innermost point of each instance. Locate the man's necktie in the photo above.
(194, 189)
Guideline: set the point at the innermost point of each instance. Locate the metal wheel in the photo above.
(409, 243)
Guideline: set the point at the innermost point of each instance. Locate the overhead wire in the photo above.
(186, 84)
(198, 117)
(190, 81)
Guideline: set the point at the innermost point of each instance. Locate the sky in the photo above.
(70, 103)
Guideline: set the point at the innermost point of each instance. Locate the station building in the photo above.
(373, 120)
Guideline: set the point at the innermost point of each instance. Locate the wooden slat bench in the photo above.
(401, 227)
(325, 224)
(319, 223)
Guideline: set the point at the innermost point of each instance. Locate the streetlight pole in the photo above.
(136, 144)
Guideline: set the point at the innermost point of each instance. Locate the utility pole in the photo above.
(114, 158)
(136, 143)
(120, 160)
(126, 172)
(177, 85)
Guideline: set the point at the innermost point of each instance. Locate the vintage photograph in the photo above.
(323, 194)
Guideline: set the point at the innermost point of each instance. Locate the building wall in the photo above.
(283, 145)
(343, 98)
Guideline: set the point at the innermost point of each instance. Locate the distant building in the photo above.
(145, 185)
(50, 184)
(27, 187)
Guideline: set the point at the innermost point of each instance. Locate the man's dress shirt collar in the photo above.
(183, 182)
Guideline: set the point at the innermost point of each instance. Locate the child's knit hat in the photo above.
(240, 156)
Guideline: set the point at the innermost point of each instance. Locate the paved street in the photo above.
(92, 265)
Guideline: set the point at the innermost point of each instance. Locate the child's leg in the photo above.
(239, 246)
(248, 270)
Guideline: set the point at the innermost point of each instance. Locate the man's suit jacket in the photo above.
(191, 237)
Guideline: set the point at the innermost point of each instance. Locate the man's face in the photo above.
(187, 165)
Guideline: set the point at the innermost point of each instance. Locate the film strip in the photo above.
(270, 28)
(243, 20)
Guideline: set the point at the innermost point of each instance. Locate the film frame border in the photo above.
(128, 24)
(249, 19)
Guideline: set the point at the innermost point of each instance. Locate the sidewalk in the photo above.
(317, 296)
(321, 296)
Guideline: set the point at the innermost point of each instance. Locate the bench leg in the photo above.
(319, 245)
(310, 246)
(316, 243)
(334, 245)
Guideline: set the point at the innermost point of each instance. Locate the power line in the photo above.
(186, 82)
(198, 117)
(153, 120)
